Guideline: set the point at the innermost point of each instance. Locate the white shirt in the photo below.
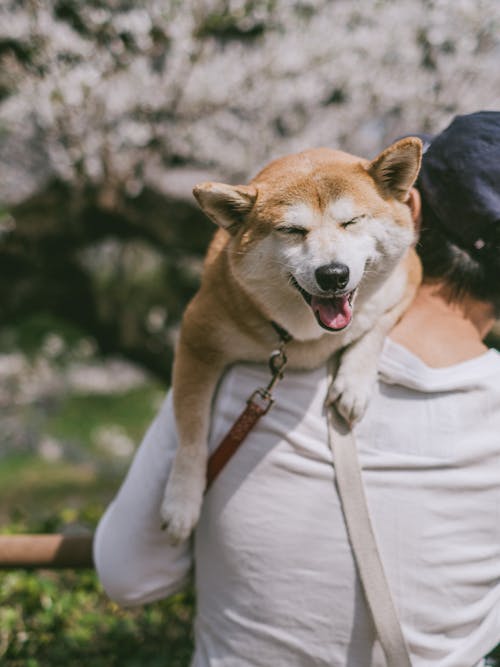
(275, 578)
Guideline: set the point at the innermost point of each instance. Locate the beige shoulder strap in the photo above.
(363, 542)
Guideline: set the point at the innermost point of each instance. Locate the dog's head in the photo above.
(311, 229)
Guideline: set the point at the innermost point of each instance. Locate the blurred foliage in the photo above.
(64, 618)
(493, 338)
(29, 334)
(91, 438)
(229, 23)
(119, 275)
(132, 411)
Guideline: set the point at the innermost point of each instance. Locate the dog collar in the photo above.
(285, 337)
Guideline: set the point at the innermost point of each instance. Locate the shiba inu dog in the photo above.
(318, 243)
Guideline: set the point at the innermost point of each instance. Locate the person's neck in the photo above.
(443, 332)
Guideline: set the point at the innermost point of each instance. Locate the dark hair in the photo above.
(460, 186)
(463, 270)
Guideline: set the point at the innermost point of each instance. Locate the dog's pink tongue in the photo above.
(334, 313)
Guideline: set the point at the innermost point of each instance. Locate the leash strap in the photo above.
(363, 541)
(257, 406)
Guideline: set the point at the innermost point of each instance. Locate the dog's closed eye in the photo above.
(293, 231)
(353, 221)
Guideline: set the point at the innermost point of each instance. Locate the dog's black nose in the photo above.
(332, 276)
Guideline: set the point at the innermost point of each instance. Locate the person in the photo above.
(275, 577)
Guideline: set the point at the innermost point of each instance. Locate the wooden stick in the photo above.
(46, 551)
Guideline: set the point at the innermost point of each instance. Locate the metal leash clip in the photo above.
(262, 397)
(277, 362)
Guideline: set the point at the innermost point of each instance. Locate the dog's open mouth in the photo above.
(333, 313)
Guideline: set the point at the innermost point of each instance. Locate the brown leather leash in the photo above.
(257, 406)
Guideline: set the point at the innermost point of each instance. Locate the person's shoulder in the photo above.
(492, 356)
(493, 363)
(495, 355)
(398, 365)
(486, 371)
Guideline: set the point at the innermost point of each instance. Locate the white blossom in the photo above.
(169, 82)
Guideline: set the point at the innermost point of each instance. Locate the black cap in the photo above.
(460, 179)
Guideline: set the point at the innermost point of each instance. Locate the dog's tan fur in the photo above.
(230, 317)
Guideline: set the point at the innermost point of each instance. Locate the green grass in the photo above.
(27, 481)
(79, 416)
(34, 487)
(55, 619)
(60, 618)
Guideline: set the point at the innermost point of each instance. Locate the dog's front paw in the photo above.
(350, 397)
(180, 510)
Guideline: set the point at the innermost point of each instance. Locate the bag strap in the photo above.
(363, 541)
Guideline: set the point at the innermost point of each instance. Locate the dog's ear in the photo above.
(226, 205)
(396, 169)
